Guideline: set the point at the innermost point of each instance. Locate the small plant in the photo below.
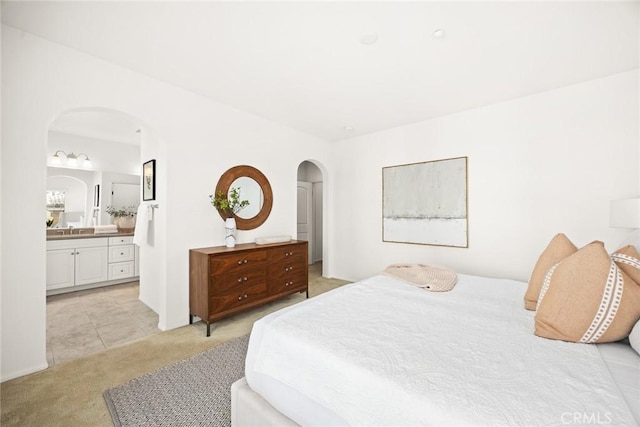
(230, 205)
(121, 211)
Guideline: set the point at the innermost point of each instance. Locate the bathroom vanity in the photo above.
(85, 260)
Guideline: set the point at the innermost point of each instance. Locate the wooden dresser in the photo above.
(225, 281)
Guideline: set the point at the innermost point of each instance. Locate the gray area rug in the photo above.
(192, 392)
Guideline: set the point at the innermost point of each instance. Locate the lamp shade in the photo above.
(625, 213)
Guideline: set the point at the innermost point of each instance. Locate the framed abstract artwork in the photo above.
(426, 203)
(149, 180)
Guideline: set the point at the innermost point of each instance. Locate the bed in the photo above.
(383, 352)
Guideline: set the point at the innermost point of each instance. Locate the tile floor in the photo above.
(84, 322)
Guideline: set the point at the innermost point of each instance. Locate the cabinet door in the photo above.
(60, 268)
(91, 265)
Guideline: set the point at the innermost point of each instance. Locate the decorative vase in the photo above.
(125, 223)
(230, 232)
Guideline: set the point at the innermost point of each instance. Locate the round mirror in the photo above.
(254, 187)
(249, 190)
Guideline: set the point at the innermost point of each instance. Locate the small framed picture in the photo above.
(149, 180)
(96, 196)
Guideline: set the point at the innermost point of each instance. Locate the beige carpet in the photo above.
(70, 394)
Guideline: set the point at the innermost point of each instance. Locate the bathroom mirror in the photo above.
(79, 198)
(255, 187)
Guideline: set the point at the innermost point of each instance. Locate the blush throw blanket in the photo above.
(426, 276)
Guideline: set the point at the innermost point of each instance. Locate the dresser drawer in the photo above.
(289, 282)
(279, 254)
(121, 253)
(222, 284)
(286, 267)
(121, 270)
(238, 298)
(235, 262)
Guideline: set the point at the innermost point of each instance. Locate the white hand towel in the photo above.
(105, 229)
(140, 234)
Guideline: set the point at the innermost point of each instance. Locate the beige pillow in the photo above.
(628, 260)
(558, 249)
(587, 298)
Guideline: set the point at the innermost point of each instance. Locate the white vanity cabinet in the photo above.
(76, 262)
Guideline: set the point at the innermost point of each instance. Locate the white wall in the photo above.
(193, 140)
(537, 166)
(105, 155)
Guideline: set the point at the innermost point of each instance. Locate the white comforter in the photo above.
(381, 352)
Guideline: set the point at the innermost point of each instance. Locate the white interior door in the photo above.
(317, 221)
(305, 215)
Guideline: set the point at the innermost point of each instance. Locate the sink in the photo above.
(69, 232)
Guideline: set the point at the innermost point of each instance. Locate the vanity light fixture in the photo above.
(71, 159)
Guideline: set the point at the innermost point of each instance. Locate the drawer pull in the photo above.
(241, 297)
(288, 283)
(288, 253)
(121, 253)
(288, 269)
(242, 261)
(242, 279)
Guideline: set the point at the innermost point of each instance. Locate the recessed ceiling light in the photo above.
(369, 38)
(439, 33)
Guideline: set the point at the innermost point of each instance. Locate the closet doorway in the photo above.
(309, 209)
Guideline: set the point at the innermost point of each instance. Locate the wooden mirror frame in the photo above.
(236, 172)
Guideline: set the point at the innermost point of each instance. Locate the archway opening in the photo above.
(310, 211)
(93, 288)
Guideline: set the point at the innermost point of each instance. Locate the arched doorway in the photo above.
(310, 209)
(93, 296)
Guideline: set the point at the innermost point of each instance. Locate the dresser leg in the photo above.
(208, 329)
(191, 319)
(307, 292)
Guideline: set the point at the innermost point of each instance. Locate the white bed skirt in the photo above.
(249, 409)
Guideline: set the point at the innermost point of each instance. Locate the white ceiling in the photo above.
(302, 64)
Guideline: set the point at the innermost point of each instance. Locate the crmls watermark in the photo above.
(586, 418)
